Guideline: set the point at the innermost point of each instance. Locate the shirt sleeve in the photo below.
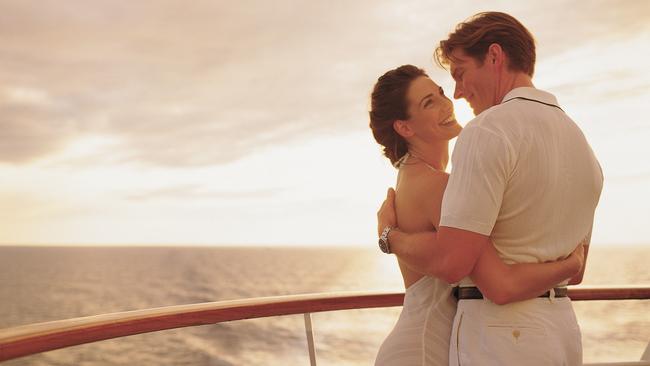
(481, 166)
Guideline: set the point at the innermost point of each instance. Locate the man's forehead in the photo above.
(457, 58)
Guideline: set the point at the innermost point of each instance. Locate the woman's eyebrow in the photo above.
(425, 97)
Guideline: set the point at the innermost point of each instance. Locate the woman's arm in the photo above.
(503, 283)
(577, 279)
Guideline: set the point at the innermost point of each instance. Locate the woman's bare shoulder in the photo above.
(419, 197)
(424, 183)
(429, 178)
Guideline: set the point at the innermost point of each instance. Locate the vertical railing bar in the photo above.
(310, 339)
(646, 353)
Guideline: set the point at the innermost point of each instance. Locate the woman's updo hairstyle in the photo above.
(388, 104)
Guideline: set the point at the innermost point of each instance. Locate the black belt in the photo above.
(473, 293)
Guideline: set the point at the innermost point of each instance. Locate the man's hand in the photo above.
(386, 215)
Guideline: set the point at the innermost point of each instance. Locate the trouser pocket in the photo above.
(516, 344)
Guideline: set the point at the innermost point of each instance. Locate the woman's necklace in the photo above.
(424, 162)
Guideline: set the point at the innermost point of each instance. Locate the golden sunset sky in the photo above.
(245, 122)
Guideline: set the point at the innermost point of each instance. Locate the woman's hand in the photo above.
(386, 215)
(577, 259)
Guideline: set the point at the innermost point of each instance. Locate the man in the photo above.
(524, 177)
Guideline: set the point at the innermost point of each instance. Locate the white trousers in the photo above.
(539, 331)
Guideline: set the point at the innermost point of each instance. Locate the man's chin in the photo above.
(477, 110)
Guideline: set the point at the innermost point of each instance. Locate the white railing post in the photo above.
(310, 339)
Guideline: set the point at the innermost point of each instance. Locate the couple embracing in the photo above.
(487, 251)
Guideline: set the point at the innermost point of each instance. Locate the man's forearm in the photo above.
(449, 254)
(420, 252)
(416, 250)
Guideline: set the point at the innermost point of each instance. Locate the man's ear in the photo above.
(495, 55)
(402, 128)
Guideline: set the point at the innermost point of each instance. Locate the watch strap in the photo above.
(384, 245)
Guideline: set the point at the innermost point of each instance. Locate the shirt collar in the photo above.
(531, 93)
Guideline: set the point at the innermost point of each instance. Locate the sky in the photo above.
(245, 122)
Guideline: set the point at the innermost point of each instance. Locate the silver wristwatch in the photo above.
(383, 240)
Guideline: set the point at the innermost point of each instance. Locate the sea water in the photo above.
(39, 284)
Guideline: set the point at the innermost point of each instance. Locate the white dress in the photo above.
(421, 335)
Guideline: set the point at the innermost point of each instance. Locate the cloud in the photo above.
(600, 88)
(194, 191)
(210, 83)
(188, 87)
(561, 26)
(30, 127)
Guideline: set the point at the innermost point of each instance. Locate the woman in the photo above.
(413, 120)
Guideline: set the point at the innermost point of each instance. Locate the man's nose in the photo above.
(458, 92)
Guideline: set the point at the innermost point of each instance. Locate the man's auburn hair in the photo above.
(475, 36)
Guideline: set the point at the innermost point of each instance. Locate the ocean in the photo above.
(39, 284)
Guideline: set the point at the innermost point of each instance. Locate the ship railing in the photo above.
(30, 339)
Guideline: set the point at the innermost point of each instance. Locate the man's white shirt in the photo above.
(524, 174)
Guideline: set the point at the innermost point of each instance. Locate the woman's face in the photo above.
(431, 113)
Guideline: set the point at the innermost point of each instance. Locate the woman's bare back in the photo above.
(418, 199)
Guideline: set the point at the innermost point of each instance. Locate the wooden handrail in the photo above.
(34, 338)
(586, 293)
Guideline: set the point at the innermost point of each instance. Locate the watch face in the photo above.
(383, 246)
(383, 240)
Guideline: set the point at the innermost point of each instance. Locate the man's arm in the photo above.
(482, 160)
(452, 254)
(449, 254)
